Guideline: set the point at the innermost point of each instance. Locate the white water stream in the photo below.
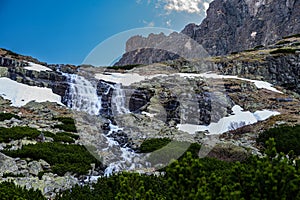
(82, 96)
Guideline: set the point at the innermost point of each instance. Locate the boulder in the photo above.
(34, 167)
(7, 164)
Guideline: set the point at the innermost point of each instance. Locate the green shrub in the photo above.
(168, 153)
(41, 174)
(7, 116)
(9, 191)
(61, 137)
(62, 158)
(18, 132)
(153, 144)
(287, 138)
(68, 124)
(120, 186)
(271, 177)
(5, 175)
(71, 135)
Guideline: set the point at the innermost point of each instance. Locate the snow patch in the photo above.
(125, 79)
(238, 119)
(258, 84)
(37, 67)
(262, 115)
(20, 94)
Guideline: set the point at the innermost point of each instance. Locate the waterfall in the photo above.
(119, 99)
(82, 95)
(99, 100)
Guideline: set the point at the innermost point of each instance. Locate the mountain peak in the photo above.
(230, 26)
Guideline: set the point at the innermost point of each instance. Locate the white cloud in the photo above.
(189, 6)
(206, 5)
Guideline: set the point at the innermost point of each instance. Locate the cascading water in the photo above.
(83, 96)
(119, 99)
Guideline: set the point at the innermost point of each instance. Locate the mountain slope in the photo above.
(236, 25)
(230, 26)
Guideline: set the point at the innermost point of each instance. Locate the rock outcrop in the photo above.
(16, 58)
(230, 26)
(236, 25)
(15, 70)
(282, 70)
(157, 48)
(279, 64)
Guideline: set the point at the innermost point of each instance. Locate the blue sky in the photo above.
(66, 31)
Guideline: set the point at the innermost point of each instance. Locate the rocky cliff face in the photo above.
(50, 79)
(281, 70)
(157, 48)
(230, 26)
(279, 64)
(236, 25)
(14, 69)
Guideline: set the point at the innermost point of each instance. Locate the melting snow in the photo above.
(238, 119)
(262, 115)
(258, 84)
(20, 94)
(37, 67)
(125, 79)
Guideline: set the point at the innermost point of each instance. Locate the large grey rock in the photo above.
(7, 164)
(35, 167)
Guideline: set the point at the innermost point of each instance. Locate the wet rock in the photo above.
(139, 99)
(105, 90)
